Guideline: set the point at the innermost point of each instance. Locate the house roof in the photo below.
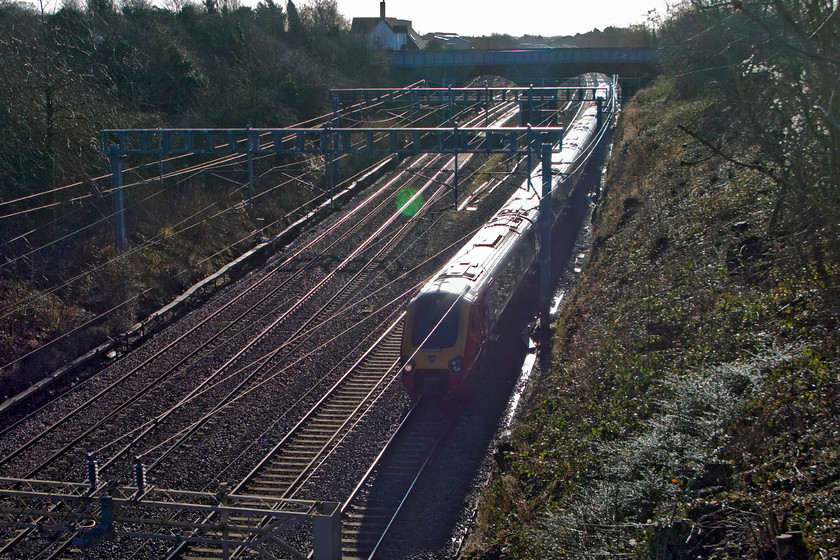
(447, 38)
(366, 25)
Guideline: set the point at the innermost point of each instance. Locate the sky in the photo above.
(518, 17)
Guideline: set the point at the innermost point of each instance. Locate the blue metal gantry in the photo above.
(326, 141)
(96, 510)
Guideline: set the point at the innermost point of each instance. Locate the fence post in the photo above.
(456, 173)
(600, 117)
(326, 532)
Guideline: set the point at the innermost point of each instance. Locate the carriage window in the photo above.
(428, 311)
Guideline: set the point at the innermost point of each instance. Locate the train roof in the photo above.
(472, 267)
(470, 270)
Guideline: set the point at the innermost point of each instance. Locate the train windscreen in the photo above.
(429, 331)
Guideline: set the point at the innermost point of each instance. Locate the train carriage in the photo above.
(448, 322)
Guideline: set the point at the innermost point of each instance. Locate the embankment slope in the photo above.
(692, 409)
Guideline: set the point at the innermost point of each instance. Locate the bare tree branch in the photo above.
(739, 5)
(755, 167)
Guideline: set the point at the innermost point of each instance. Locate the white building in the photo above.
(388, 33)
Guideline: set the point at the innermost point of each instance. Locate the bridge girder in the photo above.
(526, 66)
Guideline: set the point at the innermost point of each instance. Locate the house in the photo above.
(388, 33)
(447, 41)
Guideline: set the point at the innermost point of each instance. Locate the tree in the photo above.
(322, 17)
(777, 61)
(270, 16)
(295, 24)
(435, 45)
(495, 42)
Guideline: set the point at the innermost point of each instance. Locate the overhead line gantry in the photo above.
(324, 141)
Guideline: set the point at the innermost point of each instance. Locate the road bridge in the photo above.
(527, 66)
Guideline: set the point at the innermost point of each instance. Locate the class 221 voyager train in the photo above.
(448, 321)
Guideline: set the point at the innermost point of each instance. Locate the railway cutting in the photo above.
(274, 420)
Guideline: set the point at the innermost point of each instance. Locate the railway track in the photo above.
(376, 501)
(157, 382)
(216, 317)
(298, 455)
(378, 498)
(297, 341)
(314, 437)
(370, 264)
(112, 418)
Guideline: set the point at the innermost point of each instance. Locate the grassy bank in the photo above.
(692, 410)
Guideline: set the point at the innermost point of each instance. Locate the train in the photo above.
(450, 319)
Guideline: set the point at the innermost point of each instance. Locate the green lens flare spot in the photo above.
(409, 202)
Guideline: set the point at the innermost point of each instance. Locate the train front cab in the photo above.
(442, 337)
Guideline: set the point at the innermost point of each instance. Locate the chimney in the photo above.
(382, 10)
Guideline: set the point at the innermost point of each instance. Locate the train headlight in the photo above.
(455, 364)
(408, 367)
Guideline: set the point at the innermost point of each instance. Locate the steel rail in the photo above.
(308, 418)
(326, 307)
(293, 342)
(479, 117)
(113, 385)
(434, 435)
(10, 544)
(253, 378)
(168, 348)
(252, 343)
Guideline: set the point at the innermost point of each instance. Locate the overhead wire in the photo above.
(159, 237)
(143, 246)
(8, 310)
(41, 226)
(324, 118)
(231, 463)
(180, 273)
(104, 218)
(237, 398)
(198, 168)
(83, 197)
(288, 259)
(335, 316)
(263, 359)
(114, 308)
(49, 191)
(219, 162)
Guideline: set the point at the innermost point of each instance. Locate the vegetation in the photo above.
(693, 408)
(67, 72)
(615, 37)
